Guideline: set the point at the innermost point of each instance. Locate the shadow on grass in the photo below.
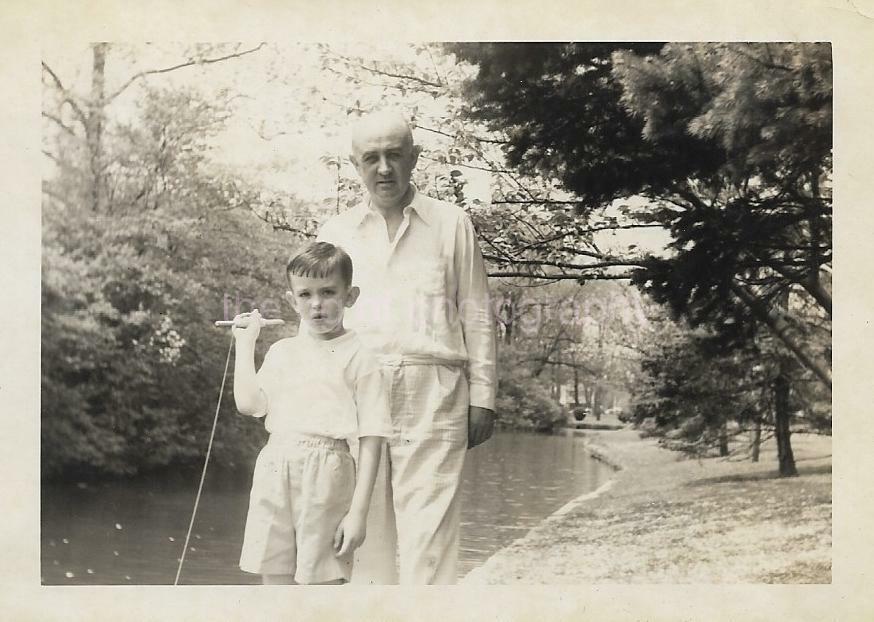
(759, 475)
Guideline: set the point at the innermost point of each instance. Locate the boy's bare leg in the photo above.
(278, 579)
(375, 559)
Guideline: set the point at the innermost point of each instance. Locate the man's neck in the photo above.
(394, 211)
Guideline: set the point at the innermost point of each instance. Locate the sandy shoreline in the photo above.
(665, 518)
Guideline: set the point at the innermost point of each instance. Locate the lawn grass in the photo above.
(671, 519)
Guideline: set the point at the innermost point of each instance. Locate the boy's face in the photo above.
(321, 303)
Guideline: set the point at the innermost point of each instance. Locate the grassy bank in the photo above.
(670, 519)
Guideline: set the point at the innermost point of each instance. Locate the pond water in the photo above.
(132, 532)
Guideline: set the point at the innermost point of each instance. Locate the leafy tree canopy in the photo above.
(730, 143)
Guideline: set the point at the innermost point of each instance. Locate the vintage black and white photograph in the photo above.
(549, 313)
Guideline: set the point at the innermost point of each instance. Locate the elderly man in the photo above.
(424, 306)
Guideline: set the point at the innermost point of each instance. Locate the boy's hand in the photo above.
(350, 534)
(247, 327)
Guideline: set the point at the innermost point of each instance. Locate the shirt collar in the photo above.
(324, 343)
(417, 204)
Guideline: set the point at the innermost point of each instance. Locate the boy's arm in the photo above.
(374, 425)
(248, 396)
(353, 528)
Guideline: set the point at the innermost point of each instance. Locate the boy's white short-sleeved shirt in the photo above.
(332, 388)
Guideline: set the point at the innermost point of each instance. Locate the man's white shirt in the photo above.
(424, 295)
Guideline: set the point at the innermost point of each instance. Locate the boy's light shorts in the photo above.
(301, 489)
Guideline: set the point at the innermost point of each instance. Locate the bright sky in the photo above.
(291, 112)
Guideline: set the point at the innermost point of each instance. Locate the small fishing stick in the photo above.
(264, 322)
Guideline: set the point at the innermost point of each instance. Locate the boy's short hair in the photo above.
(320, 260)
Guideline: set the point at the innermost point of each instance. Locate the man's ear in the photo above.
(352, 295)
(417, 149)
(289, 296)
(354, 161)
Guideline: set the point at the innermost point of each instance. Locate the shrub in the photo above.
(523, 402)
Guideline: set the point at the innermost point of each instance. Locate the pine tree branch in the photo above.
(563, 277)
(465, 165)
(538, 202)
(609, 263)
(769, 65)
(584, 231)
(780, 328)
(478, 139)
(811, 286)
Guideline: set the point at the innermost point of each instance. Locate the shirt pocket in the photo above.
(430, 279)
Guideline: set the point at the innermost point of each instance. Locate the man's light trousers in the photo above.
(413, 522)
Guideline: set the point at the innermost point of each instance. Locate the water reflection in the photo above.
(132, 532)
(515, 480)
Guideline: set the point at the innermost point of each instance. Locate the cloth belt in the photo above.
(309, 440)
(392, 360)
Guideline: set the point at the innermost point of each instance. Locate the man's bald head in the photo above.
(381, 124)
(384, 154)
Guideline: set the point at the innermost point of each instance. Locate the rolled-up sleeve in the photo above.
(267, 378)
(476, 315)
(372, 400)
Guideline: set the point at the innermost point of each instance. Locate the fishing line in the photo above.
(205, 463)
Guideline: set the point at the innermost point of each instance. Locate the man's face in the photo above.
(384, 156)
(321, 303)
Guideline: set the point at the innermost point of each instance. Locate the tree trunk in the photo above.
(756, 443)
(785, 457)
(814, 257)
(556, 383)
(596, 402)
(94, 127)
(723, 440)
(576, 384)
(587, 394)
(507, 319)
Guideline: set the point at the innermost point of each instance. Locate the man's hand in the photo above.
(350, 534)
(480, 425)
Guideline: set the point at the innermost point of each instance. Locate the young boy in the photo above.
(307, 510)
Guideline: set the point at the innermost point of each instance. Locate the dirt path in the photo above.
(669, 519)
